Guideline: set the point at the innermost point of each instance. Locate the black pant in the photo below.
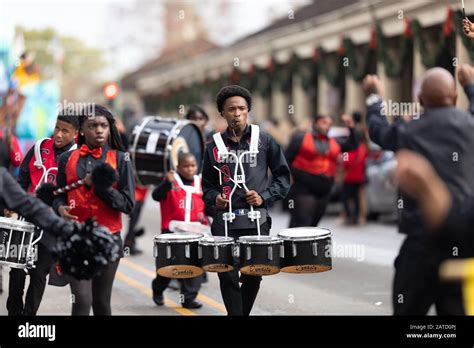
(239, 299)
(134, 218)
(417, 286)
(36, 288)
(95, 293)
(350, 196)
(189, 287)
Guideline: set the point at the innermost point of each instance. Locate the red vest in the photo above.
(85, 203)
(173, 207)
(48, 161)
(355, 165)
(311, 161)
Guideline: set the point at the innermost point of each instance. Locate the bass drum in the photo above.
(157, 143)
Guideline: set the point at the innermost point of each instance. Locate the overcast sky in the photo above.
(95, 22)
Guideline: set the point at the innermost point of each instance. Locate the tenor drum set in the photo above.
(294, 250)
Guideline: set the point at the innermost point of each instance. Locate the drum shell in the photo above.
(17, 255)
(305, 261)
(259, 263)
(225, 260)
(153, 162)
(178, 257)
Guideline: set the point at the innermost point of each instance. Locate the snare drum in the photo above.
(16, 243)
(177, 255)
(306, 250)
(259, 255)
(157, 143)
(217, 254)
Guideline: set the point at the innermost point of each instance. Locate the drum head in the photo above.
(189, 227)
(216, 240)
(304, 233)
(258, 240)
(177, 238)
(17, 225)
(189, 140)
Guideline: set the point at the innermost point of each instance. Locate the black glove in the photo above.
(104, 176)
(45, 193)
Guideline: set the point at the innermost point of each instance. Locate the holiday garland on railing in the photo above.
(429, 59)
(394, 67)
(279, 76)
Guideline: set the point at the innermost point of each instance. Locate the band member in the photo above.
(39, 165)
(441, 213)
(173, 198)
(234, 104)
(201, 118)
(440, 133)
(313, 160)
(108, 192)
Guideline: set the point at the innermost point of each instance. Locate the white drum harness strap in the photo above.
(190, 190)
(223, 153)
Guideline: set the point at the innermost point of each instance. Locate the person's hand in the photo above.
(468, 28)
(221, 201)
(253, 198)
(8, 213)
(88, 180)
(373, 85)
(170, 176)
(466, 75)
(348, 121)
(63, 211)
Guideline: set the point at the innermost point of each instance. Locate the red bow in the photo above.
(84, 150)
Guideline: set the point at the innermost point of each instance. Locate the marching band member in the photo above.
(234, 103)
(313, 160)
(108, 192)
(172, 195)
(39, 165)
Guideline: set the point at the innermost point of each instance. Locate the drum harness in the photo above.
(190, 190)
(223, 154)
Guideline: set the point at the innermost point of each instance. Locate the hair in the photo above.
(232, 91)
(194, 109)
(72, 120)
(183, 156)
(99, 110)
(318, 117)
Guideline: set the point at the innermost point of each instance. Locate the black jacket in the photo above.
(270, 157)
(445, 136)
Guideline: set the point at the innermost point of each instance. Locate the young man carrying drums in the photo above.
(249, 215)
(39, 166)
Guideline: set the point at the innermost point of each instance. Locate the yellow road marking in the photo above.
(147, 291)
(219, 306)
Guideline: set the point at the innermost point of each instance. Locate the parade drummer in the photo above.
(108, 192)
(234, 104)
(40, 165)
(180, 197)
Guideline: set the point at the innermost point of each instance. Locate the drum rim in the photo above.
(17, 225)
(305, 238)
(206, 241)
(258, 240)
(166, 240)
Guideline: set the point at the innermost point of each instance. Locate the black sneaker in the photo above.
(159, 300)
(192, 304)
(135, 251)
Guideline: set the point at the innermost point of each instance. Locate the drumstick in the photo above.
(228, 177)
(70, 187)
(463, 9)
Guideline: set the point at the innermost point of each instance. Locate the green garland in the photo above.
(393, 67)
(429, 59)
(467, 42)
(334, 78)
(357, 70)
